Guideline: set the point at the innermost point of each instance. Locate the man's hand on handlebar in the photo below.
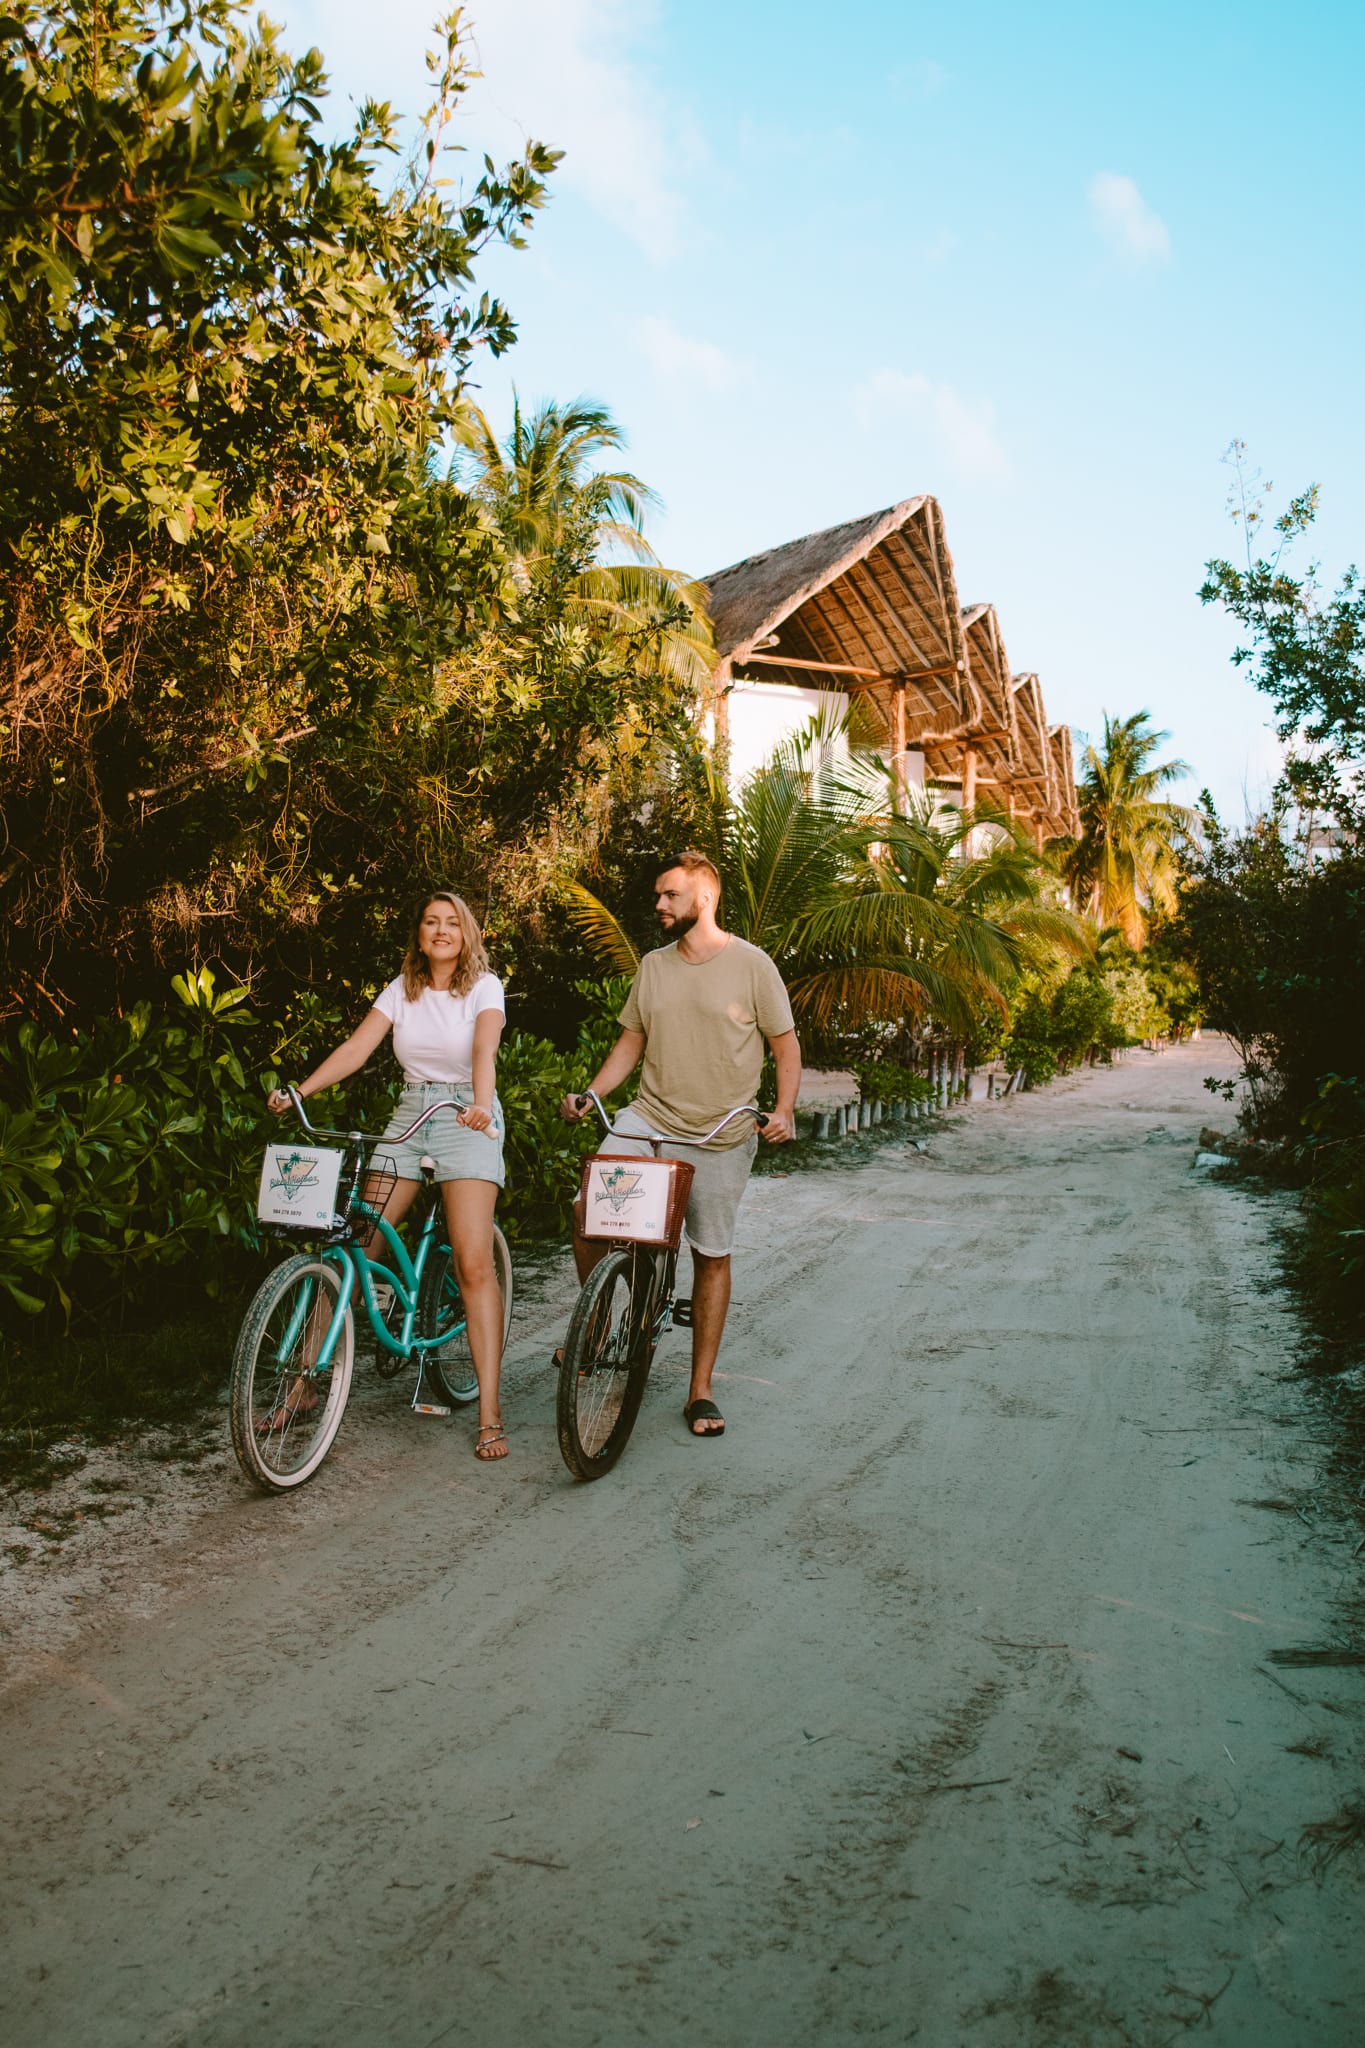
(574, 1108)
(777, 1127)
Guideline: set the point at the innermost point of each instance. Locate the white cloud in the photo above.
(681, 358)
(944, 244)
(1126, 221)
(920, 80)
(956, 430)
(566, 72)
(570, 73)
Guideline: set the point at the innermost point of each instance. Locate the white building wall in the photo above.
(762, 715)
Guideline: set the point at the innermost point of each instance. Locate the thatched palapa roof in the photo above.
(871, 606)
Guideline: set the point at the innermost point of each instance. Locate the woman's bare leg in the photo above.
(469, 1208)
(398, 1201)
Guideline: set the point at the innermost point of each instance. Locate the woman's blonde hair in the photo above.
(472, 961)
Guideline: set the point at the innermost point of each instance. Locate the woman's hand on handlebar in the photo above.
(475, 1117)
(278, 1102)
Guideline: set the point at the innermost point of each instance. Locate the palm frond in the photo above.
(854, 994)
(596, 925)
(849, 920)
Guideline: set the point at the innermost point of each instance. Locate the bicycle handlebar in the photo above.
(660, 1137)
(363, 1137)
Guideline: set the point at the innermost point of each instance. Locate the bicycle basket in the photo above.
(641, 1200)
(299, 1187)
(377, 1183)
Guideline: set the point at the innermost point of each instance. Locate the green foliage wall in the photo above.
(124, 1150)
(130, 1152)
(1279, 948)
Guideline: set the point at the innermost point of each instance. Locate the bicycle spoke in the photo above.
(285, 1410)
(606, 1361)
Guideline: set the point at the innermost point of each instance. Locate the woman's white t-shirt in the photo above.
(434, 1037)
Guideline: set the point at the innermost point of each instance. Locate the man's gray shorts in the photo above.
(718, 1183)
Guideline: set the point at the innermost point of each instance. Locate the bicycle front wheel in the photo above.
(285, 1412)
(607, 1357)
(440, 1306)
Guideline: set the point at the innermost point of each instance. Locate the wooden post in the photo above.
(969, 779)
(720, 700)
(898, 744)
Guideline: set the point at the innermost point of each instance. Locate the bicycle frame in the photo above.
(356, 1269)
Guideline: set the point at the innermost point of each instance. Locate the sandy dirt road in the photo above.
(936, 1703)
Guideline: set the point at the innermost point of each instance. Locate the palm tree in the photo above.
(569, 523)
(873, 914)
(1125, 862)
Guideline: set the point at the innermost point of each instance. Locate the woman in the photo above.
(446, 1013)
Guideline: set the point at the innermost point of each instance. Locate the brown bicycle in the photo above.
(635, 1206)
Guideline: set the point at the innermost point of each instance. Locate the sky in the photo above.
(1044, 262)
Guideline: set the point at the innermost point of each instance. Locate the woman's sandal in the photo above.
(490, 1433)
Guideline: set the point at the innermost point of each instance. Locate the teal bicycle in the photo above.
(295, 1352)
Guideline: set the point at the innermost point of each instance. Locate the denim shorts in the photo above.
(718, 1184)
(460, 1154)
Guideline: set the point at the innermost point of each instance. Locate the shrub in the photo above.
(1134, 1012)
(124, 1149)
(544, 1154)
(882, 1080)
(134, 1147)
(1027, 1047)
(1081, 1016)
(1331, 1250)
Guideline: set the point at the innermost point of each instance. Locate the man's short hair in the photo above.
(693, 863)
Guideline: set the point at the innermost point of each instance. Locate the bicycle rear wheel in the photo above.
(607, 1356)
(440, 1306)
(285, 1413)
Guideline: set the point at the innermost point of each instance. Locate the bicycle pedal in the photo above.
(682, 1312)
(429, 1408)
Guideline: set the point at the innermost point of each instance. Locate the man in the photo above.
(698, 1012)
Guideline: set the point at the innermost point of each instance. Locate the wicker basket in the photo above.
(634, 1201)
(377, 1184)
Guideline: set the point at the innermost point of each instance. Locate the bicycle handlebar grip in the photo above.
(760, 1120)
(581, 1101)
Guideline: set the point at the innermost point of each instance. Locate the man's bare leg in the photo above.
(710, 1305)
(587, 1251)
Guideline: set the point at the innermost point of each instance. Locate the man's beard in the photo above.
(681, 924)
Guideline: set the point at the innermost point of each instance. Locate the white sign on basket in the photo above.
(628, 1198)
(299, 1186)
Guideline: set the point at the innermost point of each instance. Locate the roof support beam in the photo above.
(943, 629)
(852, 576)
(831, 635)
(897, 677)
(827, 668)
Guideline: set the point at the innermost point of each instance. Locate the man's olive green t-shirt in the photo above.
(704, 1025)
